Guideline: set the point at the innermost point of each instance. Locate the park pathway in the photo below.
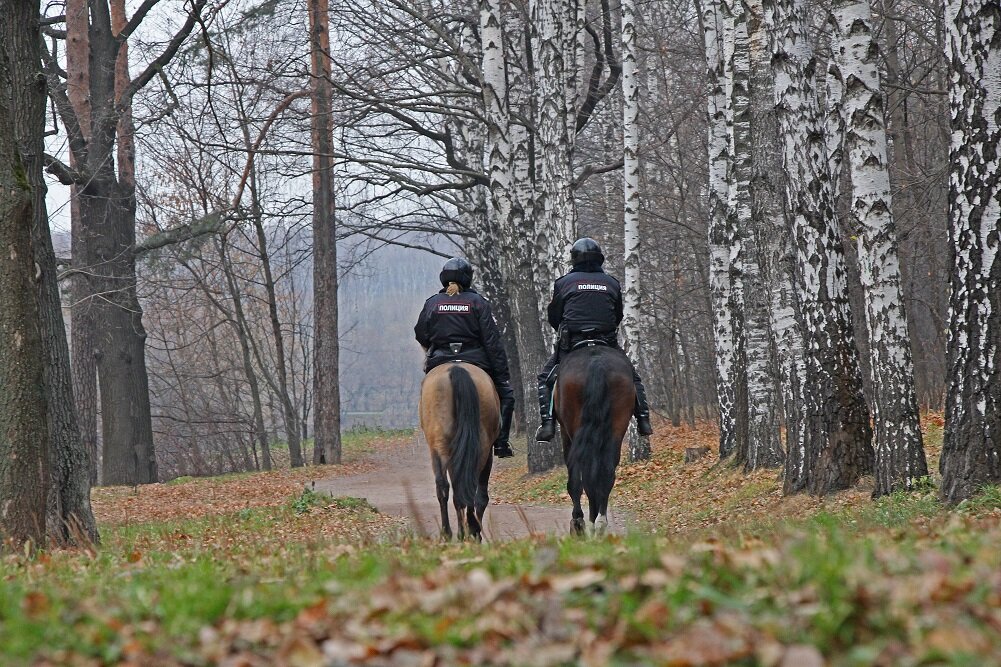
(402, 484)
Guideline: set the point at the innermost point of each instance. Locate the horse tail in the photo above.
(595, 430)
(464, 450)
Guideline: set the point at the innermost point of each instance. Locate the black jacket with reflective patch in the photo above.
(465, 319)
(586, 299)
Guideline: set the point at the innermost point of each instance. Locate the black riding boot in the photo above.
(502, 447)
(548, 428)
(642, 410)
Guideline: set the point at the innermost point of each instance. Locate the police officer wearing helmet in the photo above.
(586, 305)
(456, 325)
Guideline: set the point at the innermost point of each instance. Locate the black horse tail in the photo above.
(595, 430)
(464, 451)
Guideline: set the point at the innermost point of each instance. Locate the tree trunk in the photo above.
(105, 239)
(639, 448)
(971, 454)
(754, 161)
(554, 47)
(724, 250)
(84, 362)
(24, 447)
(900, 457)
(837, 437)
(512, 167)
(69, 517)
(129, 456)
(326, 373)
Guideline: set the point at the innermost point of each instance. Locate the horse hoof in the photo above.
(600, 525)
(577, 527)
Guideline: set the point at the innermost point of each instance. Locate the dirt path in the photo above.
(403, 485)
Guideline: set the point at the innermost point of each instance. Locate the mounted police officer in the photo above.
(456, 325)
(586, 305)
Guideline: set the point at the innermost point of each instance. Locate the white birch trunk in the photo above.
(762, 447)
(508, 159)
(971, 455)
(900, 459)
(723, 245)
(639, 448)
(776, 253)
(554, 47)
(837, 435)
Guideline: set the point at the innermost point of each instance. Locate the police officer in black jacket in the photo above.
(586, 305)
(456, 325)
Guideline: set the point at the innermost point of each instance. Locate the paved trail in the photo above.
(403, 485)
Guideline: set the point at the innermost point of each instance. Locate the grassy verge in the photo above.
(310, 580)
(899, 581)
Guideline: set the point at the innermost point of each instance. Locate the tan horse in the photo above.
(460, 417)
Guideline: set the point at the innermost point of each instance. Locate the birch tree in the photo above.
(762, 446)
(900, 458)
(509, 231)
(724, 249)
(639, 448)
(837, 435)
(775, 256)
(971, 454)
(554, 47)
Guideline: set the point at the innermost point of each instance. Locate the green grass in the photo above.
(901, 576)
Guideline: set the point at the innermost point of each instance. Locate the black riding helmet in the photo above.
(586, 251)
(456, 270)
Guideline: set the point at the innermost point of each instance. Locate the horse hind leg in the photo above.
(575, 487)
(441, 486)
(460, 514)
(598, 499)
(482, 495)
(474, 524)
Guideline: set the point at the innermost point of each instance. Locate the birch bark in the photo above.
(724, 251)
(554, 46)
(837, 435)
(639, 448)
(971, 454)
(900, 458)
(510, 232)
(762, 446)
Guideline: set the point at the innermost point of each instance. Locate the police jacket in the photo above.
(586, 299)
(464, 319)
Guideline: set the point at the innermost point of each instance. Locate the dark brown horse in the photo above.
(594, 402)
(460, 417)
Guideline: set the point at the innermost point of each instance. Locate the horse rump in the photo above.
(585, 457)
(464, 450)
